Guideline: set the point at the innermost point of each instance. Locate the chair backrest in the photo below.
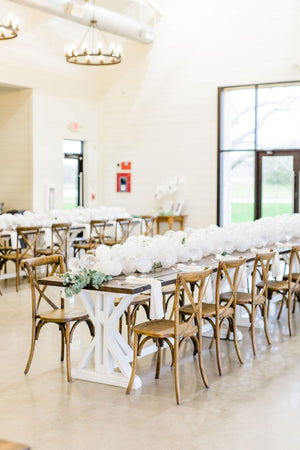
(294, 261)
(122, 225)
(39, 292)
(97, 230)
(29, 237)
(59, 238)
(148, 225)
(194, 297)
(262, 265)
(231, 271)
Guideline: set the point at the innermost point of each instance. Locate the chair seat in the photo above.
(5, 249)
(243, 298)
(276, 286)
(164, 328)
(295, 276)
(62, 315)
(143, 298)
(13, 256)
(169, 289)
(45, 251)
(9, 445)
(208, 310)
(86, 245)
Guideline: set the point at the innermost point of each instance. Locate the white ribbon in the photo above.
(277, 270)
(156, 301)
(242, 284)
(208, 291)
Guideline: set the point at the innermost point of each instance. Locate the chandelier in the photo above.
(9, 31)
(94, 50)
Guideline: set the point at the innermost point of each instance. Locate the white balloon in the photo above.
(74, 264)
(106, 266)
(129, 265)
(117, 251)
(103, 252)
(87, 261)
(143, 265)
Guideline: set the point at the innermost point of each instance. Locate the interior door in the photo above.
(277, 183)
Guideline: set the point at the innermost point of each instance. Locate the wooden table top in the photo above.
(118, 284)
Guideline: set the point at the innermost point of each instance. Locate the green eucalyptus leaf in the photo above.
(78, 281)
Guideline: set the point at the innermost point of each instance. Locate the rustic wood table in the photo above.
(170, 220)
(109, 350)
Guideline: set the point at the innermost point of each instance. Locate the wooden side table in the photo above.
(170, 220)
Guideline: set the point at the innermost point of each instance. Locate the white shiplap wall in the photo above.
(61, 93)
(16, 148)
(160, 105)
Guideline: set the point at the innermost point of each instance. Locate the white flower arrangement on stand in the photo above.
(167, 197)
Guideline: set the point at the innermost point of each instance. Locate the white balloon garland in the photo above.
(142, 253)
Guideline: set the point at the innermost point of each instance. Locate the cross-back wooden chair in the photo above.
(294, 278)
(256, 299)
(97, 232)
(216, 313)
(122, 230)
(5, 248)
(148, 225)
(59, 241)
(54, 313)
(287, 288)
(166, 330)
(27, 238)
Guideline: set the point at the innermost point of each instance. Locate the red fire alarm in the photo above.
(75, 126)
(123, 182)
(126, 165)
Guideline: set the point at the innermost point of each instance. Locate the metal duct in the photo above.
(107, 20)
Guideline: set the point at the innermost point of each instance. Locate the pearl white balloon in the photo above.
(103, 252)
(88, 261)
(143, 265)
(74, 264)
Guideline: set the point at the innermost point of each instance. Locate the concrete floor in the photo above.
(254, 405)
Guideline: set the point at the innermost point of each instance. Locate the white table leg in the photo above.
(109, 350)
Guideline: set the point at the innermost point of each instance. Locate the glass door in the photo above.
(278, 183)
(73, 174)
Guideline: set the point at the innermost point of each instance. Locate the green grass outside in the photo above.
(69, 205)
(243, 212)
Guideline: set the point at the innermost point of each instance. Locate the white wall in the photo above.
(16, 148)
(160, 104)
(61, 93)
(158, 108)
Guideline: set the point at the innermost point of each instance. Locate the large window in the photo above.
(259, 151)
(73, 173)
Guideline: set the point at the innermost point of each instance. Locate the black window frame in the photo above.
(80, 159)
(257, 173)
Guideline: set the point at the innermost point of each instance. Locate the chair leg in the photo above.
(280, 310)
(68, 351)
(129, 325)
(212, 342)
(266, 324)
(253, 316)
(32, 347)
(91, 327)
(17, 275)
(289, 301)
(176, 367)
(133, 370)
(236, 344)
(62, 345)
(200, 360)
(218, 348)
(158, 361)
